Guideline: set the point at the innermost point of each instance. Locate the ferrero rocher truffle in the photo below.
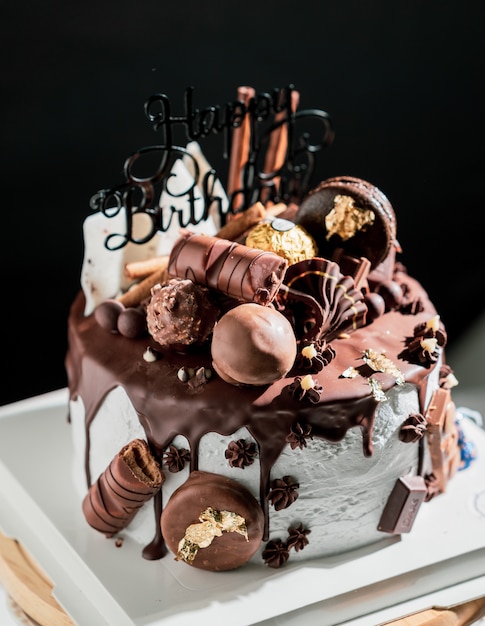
(253, 345)
(180, 313)
(288, 240)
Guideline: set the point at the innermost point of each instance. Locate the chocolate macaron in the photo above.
(349, 213)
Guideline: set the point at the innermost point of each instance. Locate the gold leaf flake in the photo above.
(212, 524)
(376, 388)
(350, 372)
(380, 363)
(346, 219)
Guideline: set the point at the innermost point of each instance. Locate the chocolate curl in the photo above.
(278, 145)
(239, 149)
(132, 478)
(244, 273)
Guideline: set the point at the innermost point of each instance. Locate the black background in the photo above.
(402, 80)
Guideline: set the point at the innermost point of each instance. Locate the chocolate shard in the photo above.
(244, 273)
(132, 478)
(403, 505)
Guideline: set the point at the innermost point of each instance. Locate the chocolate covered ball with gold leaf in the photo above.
(285, 238)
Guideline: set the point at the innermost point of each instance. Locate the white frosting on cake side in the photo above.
(341, 493)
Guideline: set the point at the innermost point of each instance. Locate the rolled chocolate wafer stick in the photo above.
(142, 290)
(233, 229)
(141, 269)
(239, 149)
(276, 209)
(244, 273)
(132, 478)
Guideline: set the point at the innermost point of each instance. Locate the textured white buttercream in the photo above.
(341, 492)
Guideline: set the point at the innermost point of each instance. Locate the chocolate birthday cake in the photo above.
(253, 375)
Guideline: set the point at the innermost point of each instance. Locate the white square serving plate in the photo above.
(99, 583)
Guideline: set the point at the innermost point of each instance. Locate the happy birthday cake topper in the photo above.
(265, 139)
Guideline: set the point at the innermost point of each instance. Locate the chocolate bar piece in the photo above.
(440, 429)
(403, 505)
(244, 273)
(132, 478)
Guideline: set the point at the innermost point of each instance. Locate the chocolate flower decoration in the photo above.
(275, 553)
(175, 459)
(413, 428)
(297, 537)
(305, 387)
(323, 303)
(422, 351)
(298, 435)
(448, 379)
(313, 357)
(432, 486)
(424, 347)
(432, 329)
(240, 453)
(284, 491)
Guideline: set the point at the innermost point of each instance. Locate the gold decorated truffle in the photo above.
(283, 237)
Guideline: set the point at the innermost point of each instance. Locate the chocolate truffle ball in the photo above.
(180, 313)
(107, 314)
(253, 345)
(132, 322)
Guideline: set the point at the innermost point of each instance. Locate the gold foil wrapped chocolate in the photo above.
(288, 240)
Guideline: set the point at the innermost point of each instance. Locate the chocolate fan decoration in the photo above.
(330, 303)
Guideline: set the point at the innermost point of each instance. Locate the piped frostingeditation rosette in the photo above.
(349, 213)
(212, 522)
